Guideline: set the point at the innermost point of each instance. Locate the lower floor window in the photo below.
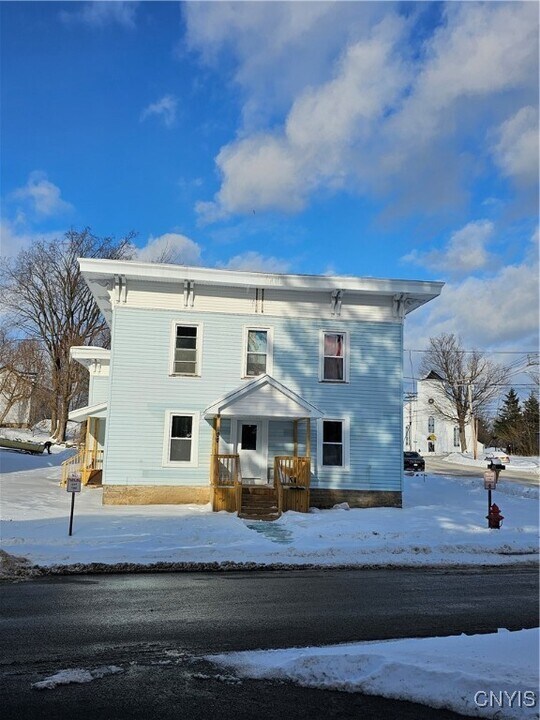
(181, 438)
(456, 437)
(332, 443)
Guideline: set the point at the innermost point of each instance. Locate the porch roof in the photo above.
(82, 414)
(263, 397)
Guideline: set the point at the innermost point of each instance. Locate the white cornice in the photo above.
(88, 355)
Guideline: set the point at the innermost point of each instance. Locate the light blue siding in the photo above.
(141, 393)
(98, 391)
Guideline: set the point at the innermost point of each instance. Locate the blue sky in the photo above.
(383, 139)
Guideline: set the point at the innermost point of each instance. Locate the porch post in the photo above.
(308, 437)
(215, 447)
(295, 437)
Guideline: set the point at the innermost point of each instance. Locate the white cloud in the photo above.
(170, 248)
(517, 148)
(386, 120)
(102, 13)
(256, 262)
(464, 253)
(280, 170)
(496, 311)
(15, 236)
(264, 36)
(165, 109)
(43, 196)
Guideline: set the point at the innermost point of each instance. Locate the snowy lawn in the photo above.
(480, 675)
(442, 522)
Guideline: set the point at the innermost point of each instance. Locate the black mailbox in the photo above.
(496, 465)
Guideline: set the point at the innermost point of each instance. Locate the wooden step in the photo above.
(259, 502)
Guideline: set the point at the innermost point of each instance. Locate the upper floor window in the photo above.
(431, 424)
(181, 439)
(257, 351)
(186, 350)
(333, 360)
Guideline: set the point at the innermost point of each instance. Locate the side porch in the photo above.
(87, 463)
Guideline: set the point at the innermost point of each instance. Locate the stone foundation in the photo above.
(324, 499)
(155, 495)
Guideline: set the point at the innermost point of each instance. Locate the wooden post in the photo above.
(308, 437)
(295, 437)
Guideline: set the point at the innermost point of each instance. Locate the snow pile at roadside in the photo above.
(442, 523)
(455, 673)
(517, 462)
(76, 675)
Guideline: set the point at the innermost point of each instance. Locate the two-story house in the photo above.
(256, 392)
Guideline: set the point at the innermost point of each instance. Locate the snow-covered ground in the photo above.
(481, 675)
(517, 462)
(442, 522)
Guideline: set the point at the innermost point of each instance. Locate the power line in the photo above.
(489, 352)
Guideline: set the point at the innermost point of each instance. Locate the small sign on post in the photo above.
(73, 486)
(490, 480)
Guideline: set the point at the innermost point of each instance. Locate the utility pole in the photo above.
(473, 421)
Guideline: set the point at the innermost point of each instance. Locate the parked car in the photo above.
(413, 461)
(499, 455)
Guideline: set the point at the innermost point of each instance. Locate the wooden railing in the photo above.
(225, 469)
(292, 473)
(291, 470)
(85, 462)
(72, 465)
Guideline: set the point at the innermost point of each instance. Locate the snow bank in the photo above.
(76, 675)
(456, 673)
(517, 462)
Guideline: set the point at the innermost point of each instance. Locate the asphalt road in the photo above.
(438, 466)
(157, 627)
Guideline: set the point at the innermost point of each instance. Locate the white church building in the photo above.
(427, 431)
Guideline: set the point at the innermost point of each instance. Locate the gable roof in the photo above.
(432, 375)
(263, 397)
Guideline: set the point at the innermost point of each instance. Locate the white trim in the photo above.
(198, 354)
(81, 414)
(98, 267)
(194, 461)
(346, 355)
(346, 443)
(87, 355)
(269, 350)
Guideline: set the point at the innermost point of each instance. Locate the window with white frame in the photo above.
(257, 351)
(431, 424)
(456, 437)
(333, 363)
(186, 350)
(181, 444)
(333, 443)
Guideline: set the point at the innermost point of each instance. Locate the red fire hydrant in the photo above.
(494, 517)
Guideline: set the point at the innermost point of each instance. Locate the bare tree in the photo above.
(20, 364)
(469, 381)
(46, 297)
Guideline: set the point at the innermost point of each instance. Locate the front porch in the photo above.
(288, 490)
(256, 478)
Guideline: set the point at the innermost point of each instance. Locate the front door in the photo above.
(252, 450)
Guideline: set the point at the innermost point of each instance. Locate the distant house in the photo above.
(425, 429)
(255, 392)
